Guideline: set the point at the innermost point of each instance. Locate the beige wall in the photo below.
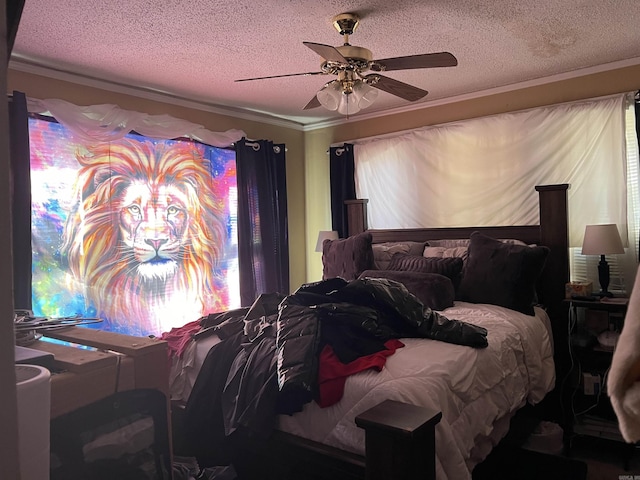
(318, 141)
(318, 202)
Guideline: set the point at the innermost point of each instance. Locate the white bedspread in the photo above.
(477, 390)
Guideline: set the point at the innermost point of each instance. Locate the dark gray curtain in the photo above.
(637, 113)
(21, 199)
(343, 186)
(263, 241)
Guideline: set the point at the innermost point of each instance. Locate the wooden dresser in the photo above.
(95, 364)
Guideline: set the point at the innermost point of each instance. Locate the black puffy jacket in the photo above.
(355, 318)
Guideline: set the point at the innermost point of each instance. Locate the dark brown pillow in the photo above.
(501, 273)
(433, 290)
(450, 267)
(348, 257)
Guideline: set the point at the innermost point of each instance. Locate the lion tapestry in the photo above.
(139, 232)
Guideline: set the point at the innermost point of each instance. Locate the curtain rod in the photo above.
(256, 146)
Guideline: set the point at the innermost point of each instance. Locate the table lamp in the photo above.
(325, 235)
(602, 240)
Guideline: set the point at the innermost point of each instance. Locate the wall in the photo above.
(317, 194)
(318, 141)
(36, 86)
(9, 467)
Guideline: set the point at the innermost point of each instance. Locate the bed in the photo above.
(457, 397)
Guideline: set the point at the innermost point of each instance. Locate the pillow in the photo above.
(449, 267)
(464, 242)
(501, 273)
(455, 248)
(347, 257)
(382, 252)
(449, 243)
(433, 290)
(446, 252)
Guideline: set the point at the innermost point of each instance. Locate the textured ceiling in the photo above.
(195, 49)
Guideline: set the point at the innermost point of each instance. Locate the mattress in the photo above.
(477, 390)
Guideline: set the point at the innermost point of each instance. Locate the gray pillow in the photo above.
(501, 273)
(383, 252)
(347, 257)
(433, 290)
(450, 267)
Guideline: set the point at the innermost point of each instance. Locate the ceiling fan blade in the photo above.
(427, 60)
(280, 76)
(327, 52)
(313, 103)
(397, 88)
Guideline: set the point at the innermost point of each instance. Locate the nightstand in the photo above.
(592, 323)
(601, 315)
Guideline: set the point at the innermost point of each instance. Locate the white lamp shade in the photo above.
(365, 94)
(334, 96)
(348, 104)
(330, 95)
(325, 235)
(602, 240)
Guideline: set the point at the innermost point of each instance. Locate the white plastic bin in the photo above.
(33, 392)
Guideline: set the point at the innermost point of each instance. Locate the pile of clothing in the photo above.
(286, 351)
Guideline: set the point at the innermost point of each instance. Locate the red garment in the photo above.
(332, 373)
(178, 338)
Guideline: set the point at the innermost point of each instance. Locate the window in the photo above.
(139, 232)
(585, 267)
(463, 173)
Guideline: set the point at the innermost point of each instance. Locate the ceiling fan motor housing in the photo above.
(351, 52)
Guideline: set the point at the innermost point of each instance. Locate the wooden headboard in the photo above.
(551, 232)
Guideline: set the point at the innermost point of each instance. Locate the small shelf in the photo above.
(594, 426)
(613, 304)
(593, 415)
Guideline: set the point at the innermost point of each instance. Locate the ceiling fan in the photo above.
(354, 89)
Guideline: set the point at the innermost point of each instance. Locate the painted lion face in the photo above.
(145, 235)
(153, 227)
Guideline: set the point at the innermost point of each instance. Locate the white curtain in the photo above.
(108, 122)
(483, 171)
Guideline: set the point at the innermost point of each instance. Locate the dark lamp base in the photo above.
(603, 277)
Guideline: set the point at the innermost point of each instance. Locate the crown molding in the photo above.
(151, 94)
(262, 117)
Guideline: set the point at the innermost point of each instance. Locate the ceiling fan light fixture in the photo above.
(330, 95)
(348, 104)
(365, 94)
